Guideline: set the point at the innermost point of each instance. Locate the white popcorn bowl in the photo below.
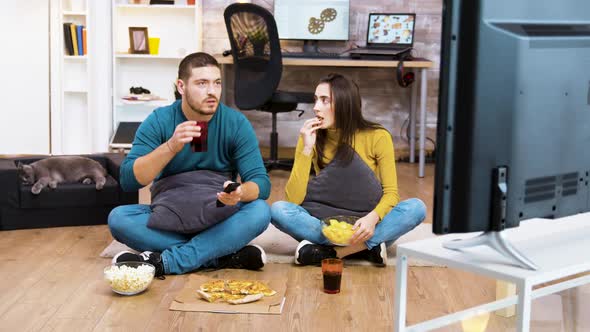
(129, 278)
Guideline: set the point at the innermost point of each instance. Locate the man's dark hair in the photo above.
(195, 60)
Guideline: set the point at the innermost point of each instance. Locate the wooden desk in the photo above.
(421, 65)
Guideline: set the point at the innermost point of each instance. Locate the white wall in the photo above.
(24, 77)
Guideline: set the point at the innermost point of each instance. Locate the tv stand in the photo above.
(496, 241)
(495, 237)
(558, 246)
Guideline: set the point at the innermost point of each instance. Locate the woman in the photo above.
(355, 172)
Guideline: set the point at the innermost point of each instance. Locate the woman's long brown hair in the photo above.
(348, 118)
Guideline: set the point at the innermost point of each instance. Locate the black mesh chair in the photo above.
(258, 68)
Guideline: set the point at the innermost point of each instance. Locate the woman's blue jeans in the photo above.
(297, 222)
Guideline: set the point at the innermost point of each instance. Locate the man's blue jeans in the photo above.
(183, 253)
(297, 222)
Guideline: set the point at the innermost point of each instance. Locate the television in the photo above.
(513, 133)
(312, 20)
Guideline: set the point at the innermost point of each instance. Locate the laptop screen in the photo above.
(391, 29)
(125, 133)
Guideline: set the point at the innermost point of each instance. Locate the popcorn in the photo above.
(129, 280)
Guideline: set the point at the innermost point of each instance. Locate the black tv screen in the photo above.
(513, 136)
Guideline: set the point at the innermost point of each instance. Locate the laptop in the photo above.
(124, 135)
(388, 34)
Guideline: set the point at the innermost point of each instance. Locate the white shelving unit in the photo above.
(176, 7)
(146, 56)
(74, 13)
(179, 30)
(69, 82)
(81, 108)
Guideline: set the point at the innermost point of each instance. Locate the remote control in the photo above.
(230, 187)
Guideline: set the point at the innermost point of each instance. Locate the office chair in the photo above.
(258, 67)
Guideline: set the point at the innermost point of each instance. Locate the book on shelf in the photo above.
(79, 35)
(84, 47)
(69, 47)
(74, 38)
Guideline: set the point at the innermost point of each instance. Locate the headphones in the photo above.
(404, 79)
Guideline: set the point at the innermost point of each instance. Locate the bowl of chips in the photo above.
(338, 229)
(129, 278)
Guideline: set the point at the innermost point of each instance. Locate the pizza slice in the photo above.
(258, 287)
(229, 298)
(234, 291)
(213, 286)
(245, 299)
(237, 286)
(211, 297)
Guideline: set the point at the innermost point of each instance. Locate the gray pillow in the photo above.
(349, 190)
(186, 202)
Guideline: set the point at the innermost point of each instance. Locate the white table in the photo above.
(560, 248)
(418, 64)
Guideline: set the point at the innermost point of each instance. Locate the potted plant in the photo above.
(258, 38)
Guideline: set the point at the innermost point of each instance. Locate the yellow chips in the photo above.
(338, 232)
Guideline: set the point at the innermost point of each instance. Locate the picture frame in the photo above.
(139, 40)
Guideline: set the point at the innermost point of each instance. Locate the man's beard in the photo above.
(198, 110)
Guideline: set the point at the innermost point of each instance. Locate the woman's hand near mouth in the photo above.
(308, 133)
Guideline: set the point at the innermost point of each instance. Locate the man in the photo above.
(162, 148)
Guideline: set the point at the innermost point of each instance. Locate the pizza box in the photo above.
(188, 299)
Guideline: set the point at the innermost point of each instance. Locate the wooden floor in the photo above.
(52, 281)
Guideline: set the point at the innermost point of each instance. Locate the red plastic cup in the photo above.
(332, 271)
(199, 144)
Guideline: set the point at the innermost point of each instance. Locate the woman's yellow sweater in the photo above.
(374, 146)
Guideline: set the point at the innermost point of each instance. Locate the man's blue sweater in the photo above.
(231, 146)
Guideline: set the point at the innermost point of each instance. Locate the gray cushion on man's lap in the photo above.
(186, 202)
